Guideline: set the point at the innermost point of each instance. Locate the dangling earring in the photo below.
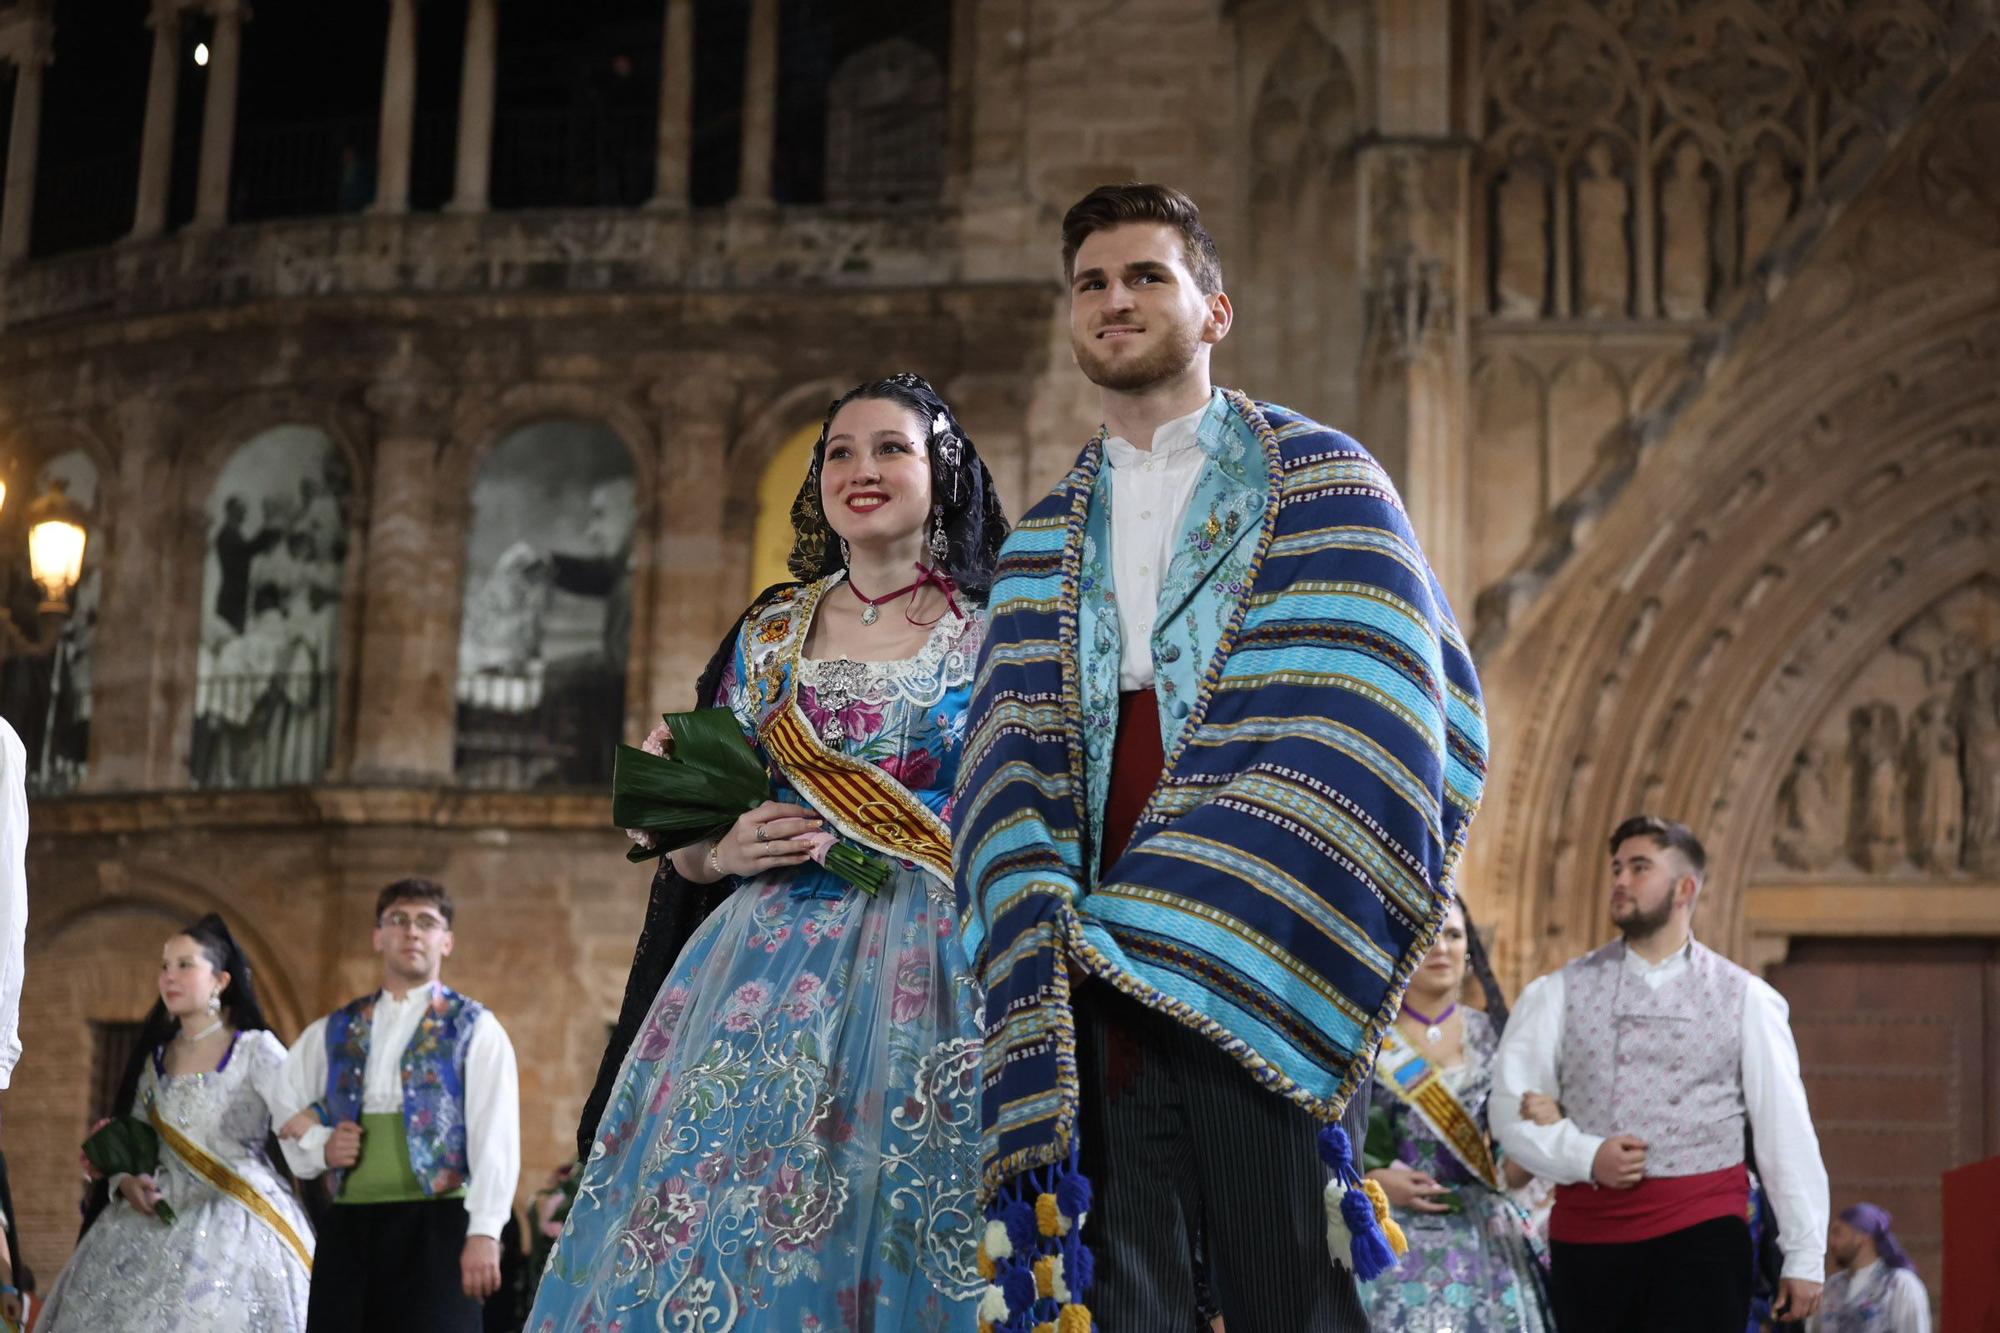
(846, 556)
(215, 1003)
(938, 543)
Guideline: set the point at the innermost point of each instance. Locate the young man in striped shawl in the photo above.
(1225, 745)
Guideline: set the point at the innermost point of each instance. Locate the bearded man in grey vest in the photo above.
(1661, 1053)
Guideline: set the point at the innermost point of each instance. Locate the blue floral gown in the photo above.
(792, 1143)
(1478, 1270)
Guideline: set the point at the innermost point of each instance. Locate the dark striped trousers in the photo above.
(1179, 1141)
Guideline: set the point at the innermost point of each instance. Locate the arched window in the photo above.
(771, 540)
(265, 685)
(548, 609)
(47, 699)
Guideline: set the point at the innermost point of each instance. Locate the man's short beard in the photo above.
(1166, 362)
(1639, 924)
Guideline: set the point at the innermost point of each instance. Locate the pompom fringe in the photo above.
(1356, 1236)
(1032, 1254)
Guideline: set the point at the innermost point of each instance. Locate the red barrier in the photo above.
(1972, 1248)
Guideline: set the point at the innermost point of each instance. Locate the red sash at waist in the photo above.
(1656, 1206)
(1137, 762)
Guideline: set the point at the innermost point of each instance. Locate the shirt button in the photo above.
(1145, 569)
(1146, 514)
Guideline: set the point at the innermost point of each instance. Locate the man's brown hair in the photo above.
(1115, 205)
(1666, 834)
(415, 891)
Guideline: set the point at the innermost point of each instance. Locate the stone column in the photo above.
(24, 141)
(156, 141)
(1416, 262)
(218, 114)
(675, 149)
(760, 107)
(475, 108)
(1000, 233)
(399, 111)
(403, 726)
(1414, 66)
(696, 588)
(149, 553)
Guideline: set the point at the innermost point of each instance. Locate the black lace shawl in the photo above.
(674, 910)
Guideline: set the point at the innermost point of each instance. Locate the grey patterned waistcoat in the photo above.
(1666, 1065)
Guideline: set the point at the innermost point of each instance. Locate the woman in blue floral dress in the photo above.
(791, 1142)
(1474, 1264)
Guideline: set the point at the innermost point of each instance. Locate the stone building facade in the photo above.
(1676, 322)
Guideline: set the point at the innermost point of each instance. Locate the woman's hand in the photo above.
(141, 1192)
(1541, 1108)
(10, 1306)
(296, 1127)
(1409, 1189)
(741, 851)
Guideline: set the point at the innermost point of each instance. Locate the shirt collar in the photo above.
(416, 995)
(1170, 438)
(1641, 966)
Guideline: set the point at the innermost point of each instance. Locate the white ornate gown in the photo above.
(218, 1268)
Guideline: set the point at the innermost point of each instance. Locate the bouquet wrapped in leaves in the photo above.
(1380, 1151)
(127, 1146)
(694, 778)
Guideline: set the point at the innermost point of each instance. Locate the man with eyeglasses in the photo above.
(411, 1099)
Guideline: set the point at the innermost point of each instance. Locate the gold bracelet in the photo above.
(713, 863)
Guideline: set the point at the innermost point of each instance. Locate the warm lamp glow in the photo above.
(56, 539)
(3, 495)
(55, 555)
(201, 53)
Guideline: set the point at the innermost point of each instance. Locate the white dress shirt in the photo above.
(492, 1101)
(1788, 1160)
(13, 894)
(1902, 1305)
(1150, 490)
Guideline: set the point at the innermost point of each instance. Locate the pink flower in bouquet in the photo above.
(818, 844)
(658, 741)
(546, 1220)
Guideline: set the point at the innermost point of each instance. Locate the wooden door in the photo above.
(1899, 1042)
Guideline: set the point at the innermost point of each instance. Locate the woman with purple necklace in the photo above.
(1473, 1265)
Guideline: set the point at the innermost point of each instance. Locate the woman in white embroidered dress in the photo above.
(237, 1258)
(792, 1140)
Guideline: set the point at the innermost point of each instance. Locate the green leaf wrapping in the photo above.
(706, 781)
(128, 1146)
(1379, 1149)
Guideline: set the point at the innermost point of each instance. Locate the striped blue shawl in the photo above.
(1293, 867)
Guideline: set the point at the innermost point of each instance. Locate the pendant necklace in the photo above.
(874, 604)
(1433, 1027)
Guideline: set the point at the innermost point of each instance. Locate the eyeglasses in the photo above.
(421, 924)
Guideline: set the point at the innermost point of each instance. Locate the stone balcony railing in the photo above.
(551, 251)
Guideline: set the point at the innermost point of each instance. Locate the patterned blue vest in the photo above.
(433, 1082)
